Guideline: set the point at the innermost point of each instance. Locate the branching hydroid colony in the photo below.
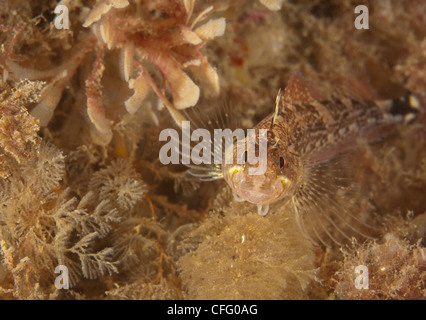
(166, 34)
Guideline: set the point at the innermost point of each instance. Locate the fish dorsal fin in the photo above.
(355, 88)
(300, 90)
(277, 108)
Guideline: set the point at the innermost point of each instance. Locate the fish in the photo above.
(311, 140)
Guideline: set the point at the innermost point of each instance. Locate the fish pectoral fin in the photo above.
(330, 206)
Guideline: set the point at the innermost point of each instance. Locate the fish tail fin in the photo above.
(406, 107)
(409, 107)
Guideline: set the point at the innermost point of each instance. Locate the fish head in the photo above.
(265, 181)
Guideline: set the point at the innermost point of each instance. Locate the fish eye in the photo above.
(282, 162)
(245, 156)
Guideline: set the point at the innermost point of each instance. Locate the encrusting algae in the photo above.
(82, 185)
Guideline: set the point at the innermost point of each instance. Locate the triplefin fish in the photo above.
(309, 141)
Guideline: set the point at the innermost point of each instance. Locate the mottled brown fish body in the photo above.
(308, 140)
(317, 130)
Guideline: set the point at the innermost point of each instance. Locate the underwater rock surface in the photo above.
(81, 184)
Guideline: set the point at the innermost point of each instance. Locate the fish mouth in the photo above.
(256, 189)
(259, 194)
